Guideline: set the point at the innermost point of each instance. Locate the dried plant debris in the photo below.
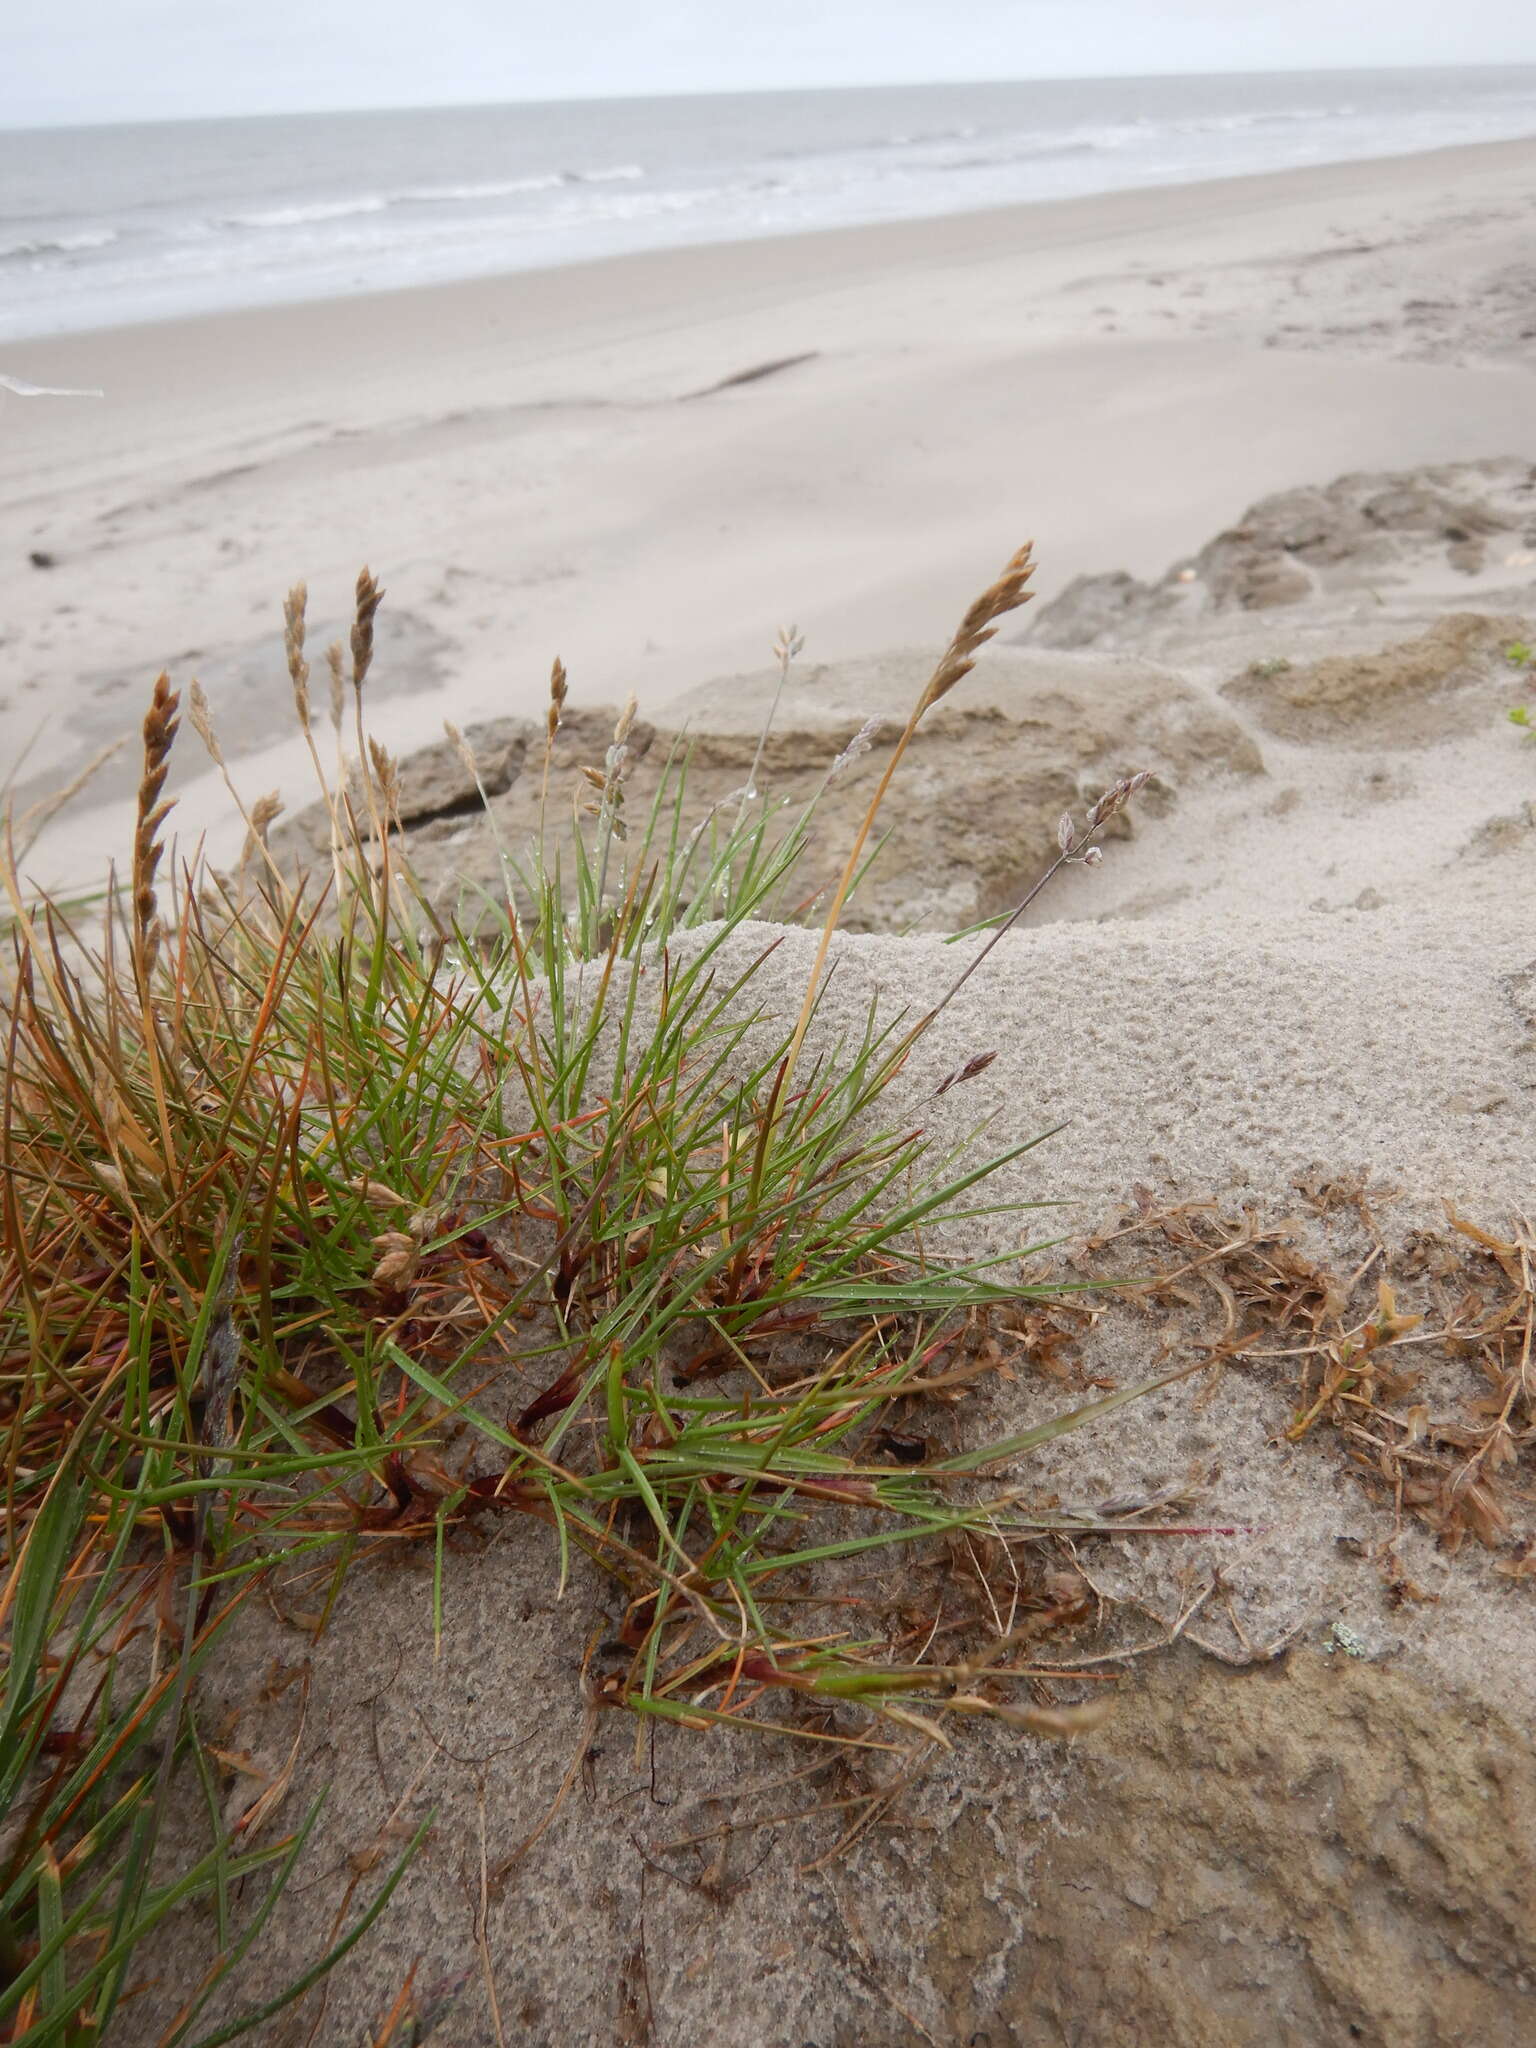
(1413, 1357)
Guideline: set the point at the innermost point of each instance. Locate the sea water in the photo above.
(106, 225)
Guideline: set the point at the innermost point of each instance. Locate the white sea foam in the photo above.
(310, 214)
(496, 188)
(317, 212)
(72, 244)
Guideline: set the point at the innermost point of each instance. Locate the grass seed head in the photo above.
(398, 1253)
(464, 750)
(386, 773)
(1116, 798)
(160, 727)
(335, 661)
(857, 747)
(979, 626)
(370, 596)
(264, 813)
(294, 607)
(559, 690)
(202, 722)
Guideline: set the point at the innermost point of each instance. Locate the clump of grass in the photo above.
(299, 1180)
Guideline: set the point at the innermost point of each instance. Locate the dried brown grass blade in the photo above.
(24, 832)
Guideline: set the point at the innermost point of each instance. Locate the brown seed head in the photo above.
(979, 625)
(1116, 798)
(369, 597)
(160, 725)
(974, 1066)
(462, 748)
(386, 771)
(294, 605)
(202, 723)
(399, 1253)
(263, 812)
(335, 661)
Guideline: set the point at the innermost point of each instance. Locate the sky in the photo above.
(106, 60)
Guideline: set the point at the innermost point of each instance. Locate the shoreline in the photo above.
(970, 225)
(578, 460)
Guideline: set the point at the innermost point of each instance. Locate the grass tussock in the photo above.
(331, 1225)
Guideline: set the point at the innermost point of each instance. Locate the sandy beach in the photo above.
(646, 464)
(1275, 439)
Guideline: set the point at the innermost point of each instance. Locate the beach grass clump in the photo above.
(333, 1225)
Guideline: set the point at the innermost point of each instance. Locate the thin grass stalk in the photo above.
(258, 816)
(295, 630)
(23, 834)
(610, 819)
(958, 659)
(369, 596)
(559, 690)
(1074, 850)
(785, 648)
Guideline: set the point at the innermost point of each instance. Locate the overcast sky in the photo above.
(97, 60)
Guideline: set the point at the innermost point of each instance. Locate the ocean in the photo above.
(102, 226)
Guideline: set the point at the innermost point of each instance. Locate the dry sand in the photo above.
(1308, 972)
(541, 463)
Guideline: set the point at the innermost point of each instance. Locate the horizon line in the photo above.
(555, 99)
